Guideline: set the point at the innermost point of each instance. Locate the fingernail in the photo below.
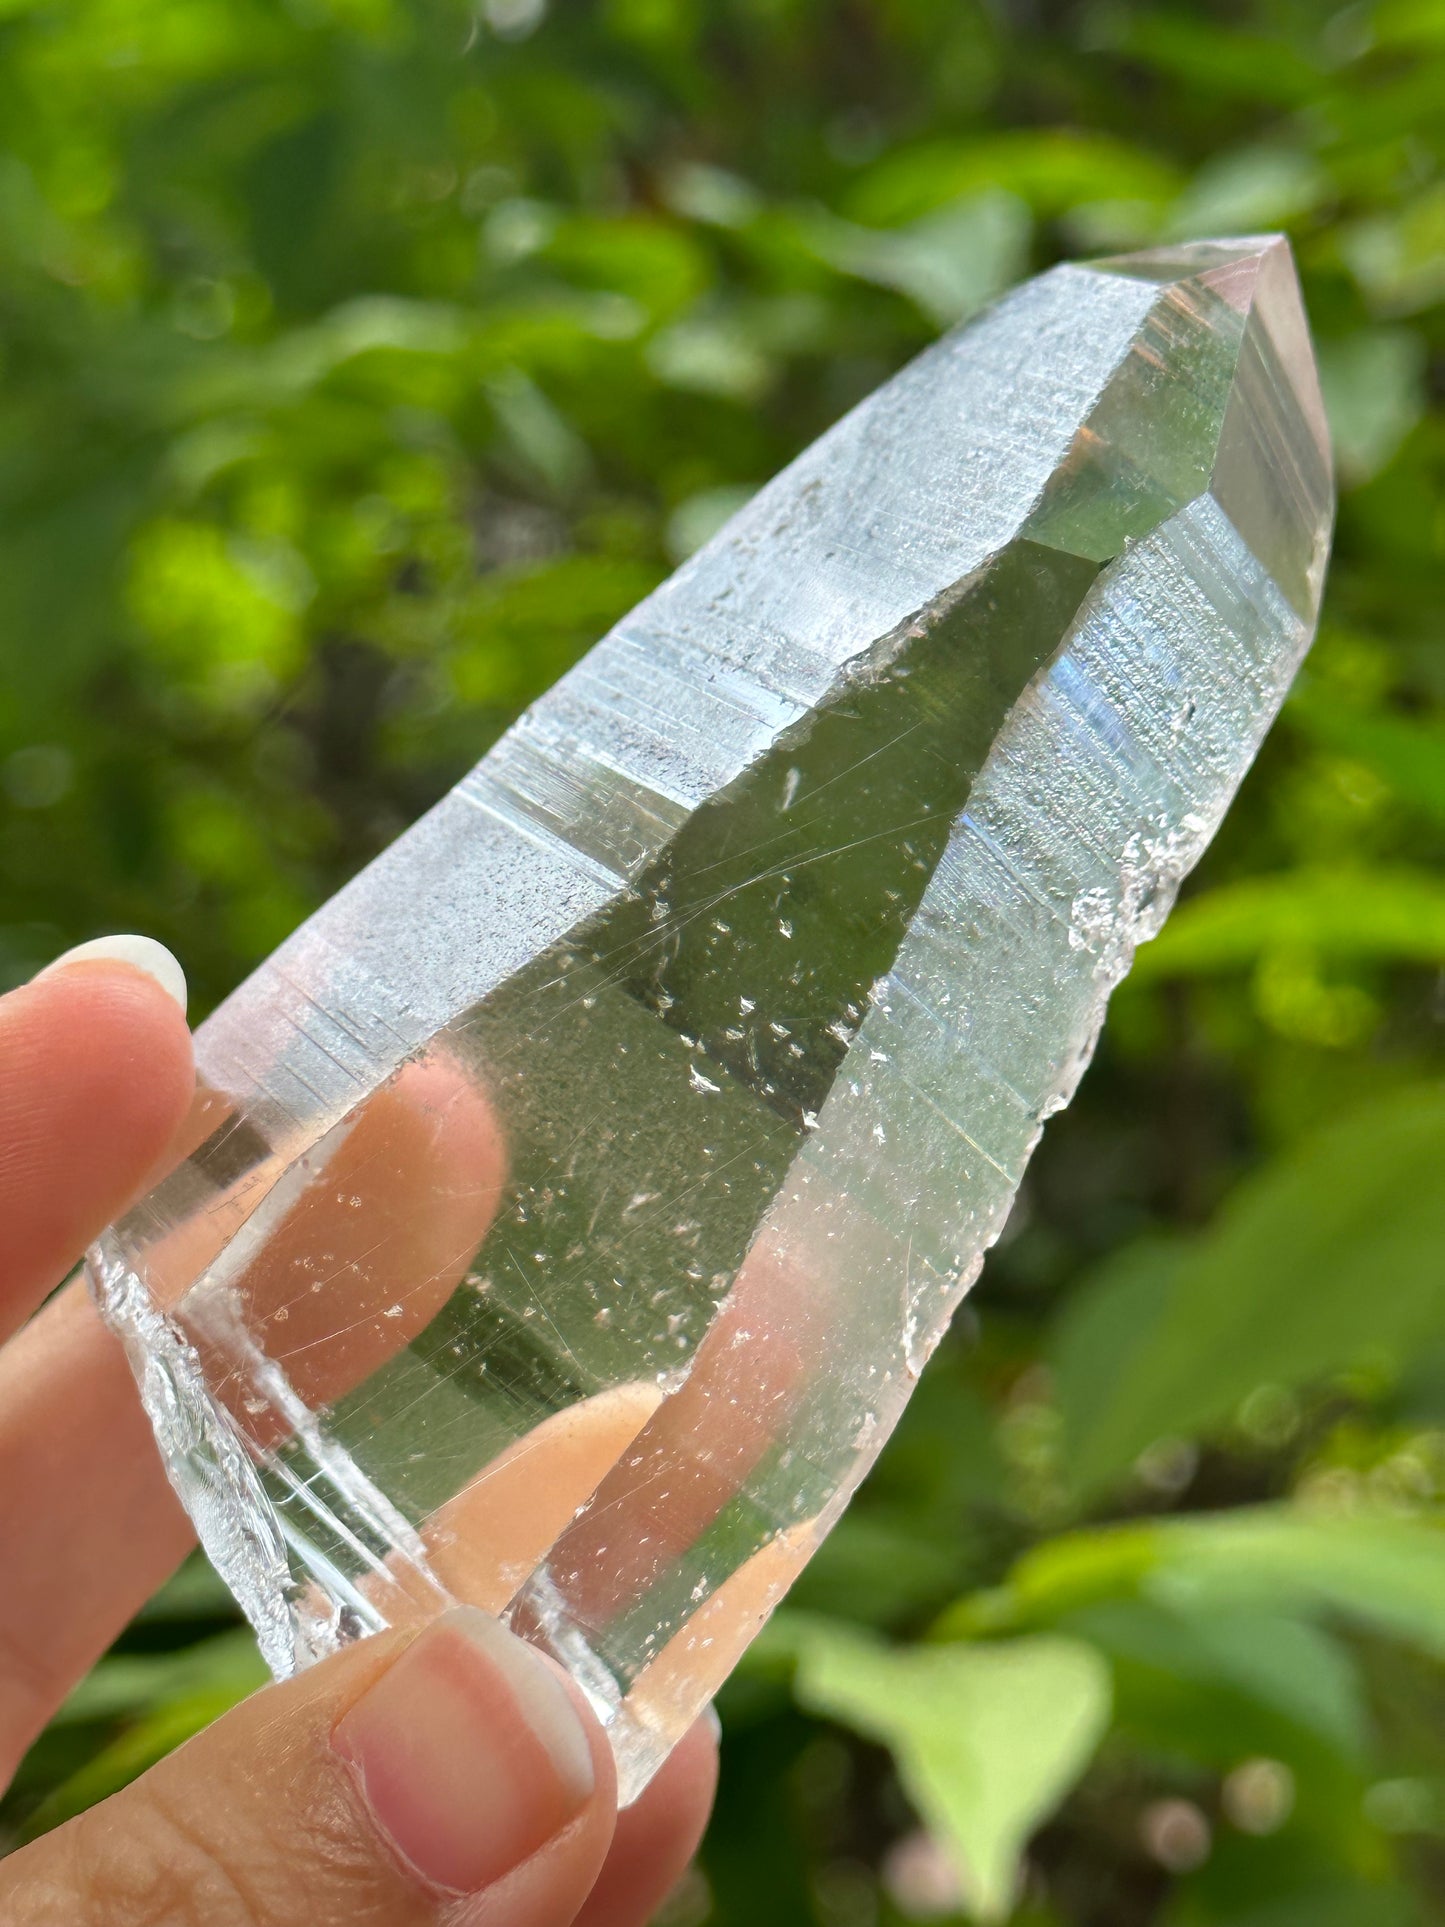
(469, 1752)
(710, 1720)
(141, 953)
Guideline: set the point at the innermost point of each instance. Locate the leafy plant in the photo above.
(359, 364)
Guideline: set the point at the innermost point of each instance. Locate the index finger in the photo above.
(95, 1080)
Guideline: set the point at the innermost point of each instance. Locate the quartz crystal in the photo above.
(573, 1202)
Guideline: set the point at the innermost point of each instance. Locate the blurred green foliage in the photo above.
(359, 363)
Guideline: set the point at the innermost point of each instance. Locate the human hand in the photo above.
(450, 1777)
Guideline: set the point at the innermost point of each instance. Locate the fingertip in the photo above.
(658, 1835)
(470, 1752)
(96, 1075)
(453, 1775)
(105, 1029)
(139, 953)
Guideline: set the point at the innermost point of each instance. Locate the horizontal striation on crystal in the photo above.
(575, 1200)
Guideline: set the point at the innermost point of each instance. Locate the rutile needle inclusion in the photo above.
(575, 1199)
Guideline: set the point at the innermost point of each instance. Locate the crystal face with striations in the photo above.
(574, 1201)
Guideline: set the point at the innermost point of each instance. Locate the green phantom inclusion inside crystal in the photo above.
(761, 948)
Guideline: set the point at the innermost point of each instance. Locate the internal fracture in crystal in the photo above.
(578, 1195)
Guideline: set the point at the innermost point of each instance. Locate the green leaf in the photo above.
(196, 1591)
(1417, 24)
(698, 519)
(658, 266)
(1210, 1684)
(1208, 57)
(1398, 256)
(524, 625)
(1374, 392)
(1408, 755)
(948, 262)
(1051, 169)
(875, 1570)
(129, 1684)
(1252, 189)
(297, 361)
(1384, 1572)
(987, 1739)
(1335, 1905)
(125, 1759)
(1395, 914)
(1330, 1255)
(1104, 1321)
(544, 439)
(710, 352)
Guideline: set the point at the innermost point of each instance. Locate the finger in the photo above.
(95, 1078)
(301, 1281)
(296, 1283)
(88, 1523)
(81, 1488)
(694, 1454)
(485, 1541)
(647, 1520)
(379, 1238)
(657, 1835)
(454, 1778)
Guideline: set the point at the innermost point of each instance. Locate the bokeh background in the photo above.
(360, 362)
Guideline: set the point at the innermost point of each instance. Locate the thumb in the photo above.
(453, 1778)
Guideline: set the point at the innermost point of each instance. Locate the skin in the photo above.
(259, 1822)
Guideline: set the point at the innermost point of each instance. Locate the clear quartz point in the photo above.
(575, 1199)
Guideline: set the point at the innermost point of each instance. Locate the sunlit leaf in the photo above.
(1398, 255)
(987, 1739)
(949, 261)
(125, 1759)
(1409, 23)
(1392, 914)
(699, 518)
(711, 353)
(1253, 188)
(1050, 168)
(659, 266)
(129, 1684)
(539, 433)
(360, 363)
(1374, 1570)
(520, 625)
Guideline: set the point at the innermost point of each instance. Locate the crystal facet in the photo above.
(575, 1199)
